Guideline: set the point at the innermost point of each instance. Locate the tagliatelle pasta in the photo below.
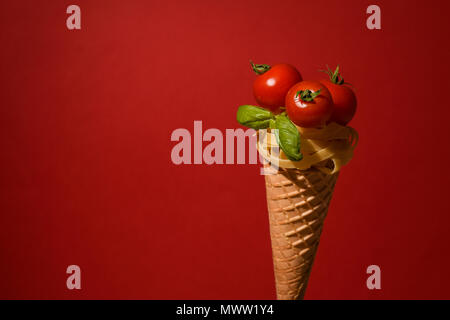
(326, 149)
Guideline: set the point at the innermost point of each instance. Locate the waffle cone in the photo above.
(297, 201)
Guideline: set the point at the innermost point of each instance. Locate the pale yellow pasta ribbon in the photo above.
(326, 149)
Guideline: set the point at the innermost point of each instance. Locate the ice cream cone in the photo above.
(297, 201)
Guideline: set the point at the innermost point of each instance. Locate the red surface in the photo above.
(86, 176)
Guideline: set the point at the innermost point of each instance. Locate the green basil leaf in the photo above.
(288, 137)
(272, 124)
(254, 117)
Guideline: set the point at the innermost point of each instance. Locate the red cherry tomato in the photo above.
(309, 104)
(272, 84)
(344, 98)
(344, 102)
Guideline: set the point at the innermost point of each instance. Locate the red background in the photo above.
(86, 176)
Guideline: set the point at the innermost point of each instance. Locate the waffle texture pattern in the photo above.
(297, 201)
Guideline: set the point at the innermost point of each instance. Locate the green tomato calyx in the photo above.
(307, 95)
(259, 68)
(335, 76)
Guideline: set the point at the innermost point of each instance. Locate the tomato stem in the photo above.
(307, 95)
(335, 76)
(259, 68)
